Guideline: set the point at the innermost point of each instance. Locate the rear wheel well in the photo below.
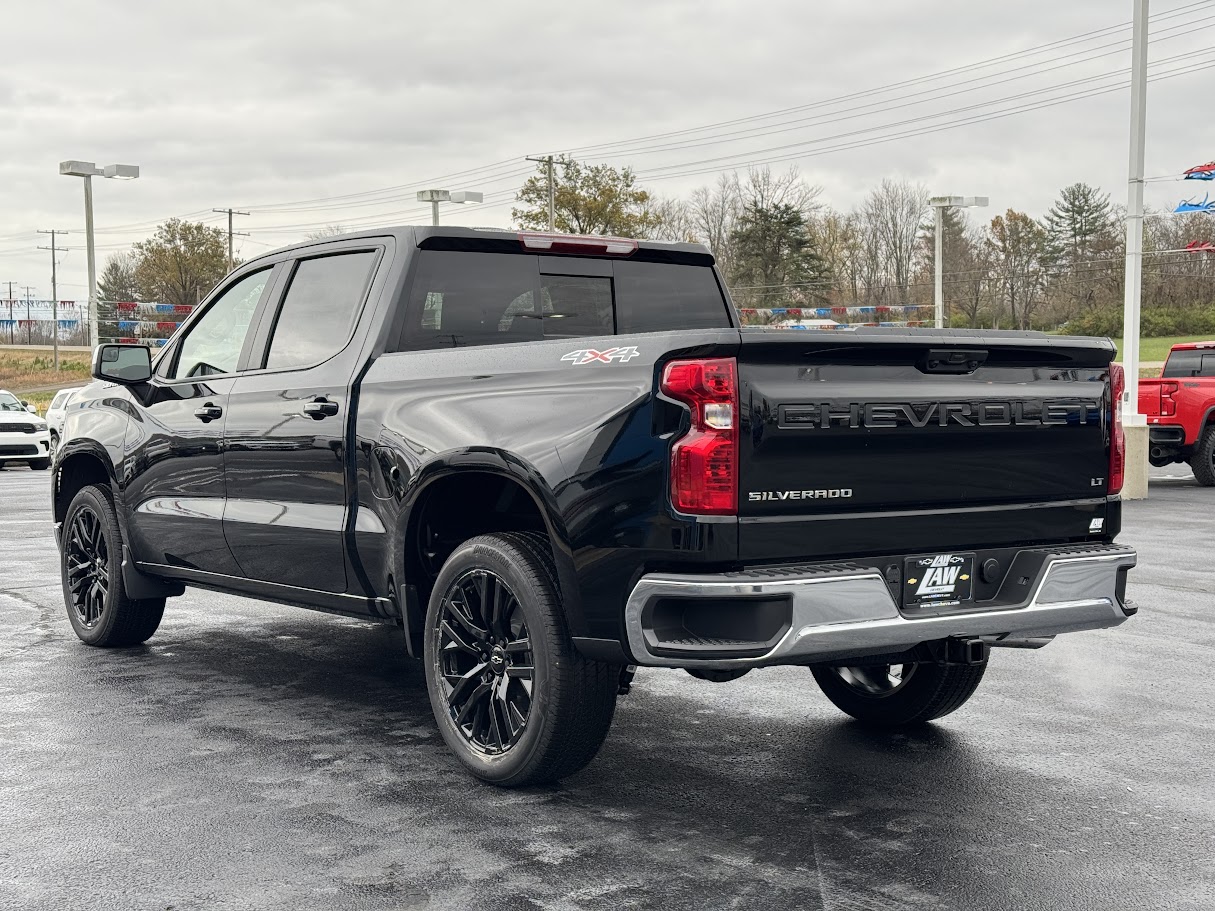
(77, 472)
(458, 507)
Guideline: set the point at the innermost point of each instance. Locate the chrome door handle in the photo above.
(208, 412)
(320, 408)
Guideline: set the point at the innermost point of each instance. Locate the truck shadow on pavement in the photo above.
(761, 795)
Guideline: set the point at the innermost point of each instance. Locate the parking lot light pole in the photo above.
(434, 197)
(1135, 484)
(939, 203)
(88, 170)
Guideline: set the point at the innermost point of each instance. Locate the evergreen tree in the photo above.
(1079, 224)
(775, 260)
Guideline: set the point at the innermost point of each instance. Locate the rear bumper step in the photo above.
(824, 612)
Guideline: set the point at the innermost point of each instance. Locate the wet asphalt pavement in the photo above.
(255, 756)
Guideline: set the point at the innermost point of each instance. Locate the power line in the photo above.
(345, 201)
(967, 121)
(935, 94)
(1177, 11)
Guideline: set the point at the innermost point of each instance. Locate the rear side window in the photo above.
(1189, 362)
(459, 299)
(660, 297)
(319, 309)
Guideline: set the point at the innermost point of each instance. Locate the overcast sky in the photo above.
(259, 104)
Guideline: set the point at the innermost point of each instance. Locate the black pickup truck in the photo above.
(552, 459)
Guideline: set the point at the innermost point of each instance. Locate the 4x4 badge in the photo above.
(591, 356)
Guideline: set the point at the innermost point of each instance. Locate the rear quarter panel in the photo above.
(579, 433)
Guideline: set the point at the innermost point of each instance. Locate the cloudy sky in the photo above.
(314, 113)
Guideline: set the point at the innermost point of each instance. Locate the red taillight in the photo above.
(704, 462)
(578, 243)
(1168, 405)
(1117, 436)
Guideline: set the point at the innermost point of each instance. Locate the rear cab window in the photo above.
(462, 298)
(1189, 362)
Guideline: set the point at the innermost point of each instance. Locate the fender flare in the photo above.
(82, 446)
(508, 465)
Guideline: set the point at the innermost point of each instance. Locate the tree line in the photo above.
(779, 243)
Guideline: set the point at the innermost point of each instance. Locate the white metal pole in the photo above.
(1135, 483)
(92, 258)
(1134, 216)
(55, 300)
(939, 293)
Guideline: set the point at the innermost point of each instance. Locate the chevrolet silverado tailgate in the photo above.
(869, 441)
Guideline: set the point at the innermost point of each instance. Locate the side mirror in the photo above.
(28, 407)
(129, 365)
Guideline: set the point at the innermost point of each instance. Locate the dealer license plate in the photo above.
(938, 580)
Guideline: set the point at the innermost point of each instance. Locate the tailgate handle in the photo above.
(952, 360)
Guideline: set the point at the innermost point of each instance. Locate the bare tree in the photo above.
(713, 214)
(892, 215)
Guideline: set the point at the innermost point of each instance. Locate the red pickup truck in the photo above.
(1180, 409)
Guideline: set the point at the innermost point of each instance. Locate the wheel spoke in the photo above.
(495, 726)
(518, 647)
(458, 640)
(468, 683)
(474, 701)
(498, 602)
(520, 671)
(464, 616)
(485, 583)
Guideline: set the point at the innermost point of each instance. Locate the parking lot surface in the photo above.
(256, 756)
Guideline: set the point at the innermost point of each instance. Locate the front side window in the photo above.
(319, 309)
(213, 344)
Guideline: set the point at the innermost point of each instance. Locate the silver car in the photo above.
(24, 437)
(55, 415)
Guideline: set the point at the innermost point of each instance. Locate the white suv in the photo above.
(24, 437)
(55, 415)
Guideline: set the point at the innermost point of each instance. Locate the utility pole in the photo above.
(54, 292)
(29, 323)
(231, 212)
(10, 313)
(1135, 424)
(547, 160)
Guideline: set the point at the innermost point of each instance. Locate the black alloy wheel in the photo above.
(87, 560)
(514, 700)
(1203, 460)
(485, 661)
(877, 680)
(899, 695)
(94, 590)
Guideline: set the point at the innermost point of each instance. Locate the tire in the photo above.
(54, 443)
(90, 559)
(39, 464)
(922, 692)
(513, 699)
(1203, 460)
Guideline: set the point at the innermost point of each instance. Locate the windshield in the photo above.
(8, 402)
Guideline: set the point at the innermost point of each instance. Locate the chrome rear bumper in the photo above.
(847, 610)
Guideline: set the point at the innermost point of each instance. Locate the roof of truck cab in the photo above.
(418, 234)
(1190, 346)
